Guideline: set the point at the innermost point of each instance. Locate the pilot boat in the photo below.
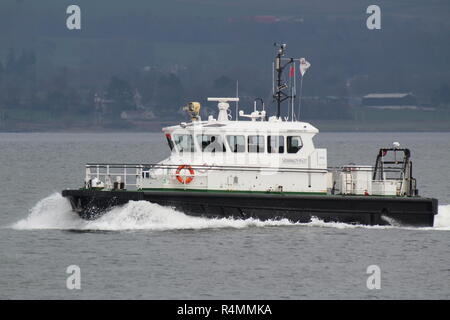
(259, 166)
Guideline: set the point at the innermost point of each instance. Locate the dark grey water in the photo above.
(146, 251)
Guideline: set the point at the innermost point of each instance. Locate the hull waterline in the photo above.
(366, 210)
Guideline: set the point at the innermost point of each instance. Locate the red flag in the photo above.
(291, 72)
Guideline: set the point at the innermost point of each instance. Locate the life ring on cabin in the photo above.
(189, 178)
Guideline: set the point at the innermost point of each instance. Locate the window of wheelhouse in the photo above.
(236, 143)
(294, 144)
(184, 142)
(169, 141)
(256, 144)
(211, 143)
(275, 144)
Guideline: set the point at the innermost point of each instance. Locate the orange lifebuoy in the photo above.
(188, 179)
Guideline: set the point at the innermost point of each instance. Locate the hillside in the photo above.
(171, 52)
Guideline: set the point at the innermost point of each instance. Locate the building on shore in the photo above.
(393, 101)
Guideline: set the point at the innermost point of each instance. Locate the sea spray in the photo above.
(137, 215)
(54, 212)
(442, 219)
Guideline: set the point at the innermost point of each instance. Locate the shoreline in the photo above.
(82, 131)
(322, 128)
(368, 124)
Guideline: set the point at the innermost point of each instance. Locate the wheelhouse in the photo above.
(261, 139)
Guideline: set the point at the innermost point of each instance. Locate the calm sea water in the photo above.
(145, 251)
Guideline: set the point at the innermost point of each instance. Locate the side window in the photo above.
(256, 144)
(184, 142)
(211, 143)
(169, 141)
(294, 144)
(236, 143)
(275, 144)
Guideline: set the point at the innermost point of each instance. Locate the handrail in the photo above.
(218, 167)
(236, 167)
(143, 165)
(122, 176)
(203, 167)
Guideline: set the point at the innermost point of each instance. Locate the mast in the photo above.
(279, 94)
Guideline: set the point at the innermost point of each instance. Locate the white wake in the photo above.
(442, 219)
(54, 212)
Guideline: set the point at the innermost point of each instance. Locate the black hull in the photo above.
(367, 210)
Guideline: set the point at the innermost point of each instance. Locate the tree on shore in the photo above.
(121, 94)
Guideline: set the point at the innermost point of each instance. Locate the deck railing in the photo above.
(128, 176)
(113, 176)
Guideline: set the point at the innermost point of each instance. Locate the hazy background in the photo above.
(148, 58)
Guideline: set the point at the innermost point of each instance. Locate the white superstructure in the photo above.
(245, 155)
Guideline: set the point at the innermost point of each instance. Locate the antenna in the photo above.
(262, 104)
(237, 101)
(294, 93)
(279, 95)
(273, 78)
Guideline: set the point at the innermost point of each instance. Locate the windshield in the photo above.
(184, 142)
